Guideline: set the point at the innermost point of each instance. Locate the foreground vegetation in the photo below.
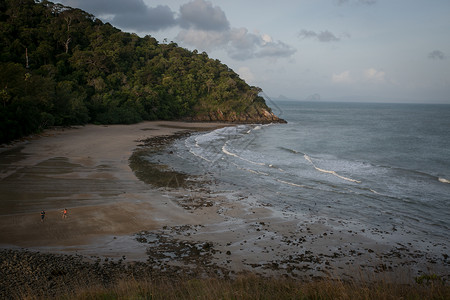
(62, 66)
(34, 275)
(252, 287)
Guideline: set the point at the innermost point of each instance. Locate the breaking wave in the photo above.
(328, 171)
(291, 183)
(224, 150)
(193, 152)
(443, 180)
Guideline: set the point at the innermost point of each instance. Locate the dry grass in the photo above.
(253, 287)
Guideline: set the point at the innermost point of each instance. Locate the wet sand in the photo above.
(85, 170)
(113, 214)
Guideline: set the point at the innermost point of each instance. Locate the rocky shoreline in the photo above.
(184, 231)
(257, 116)
(44, 275)
(172, 257)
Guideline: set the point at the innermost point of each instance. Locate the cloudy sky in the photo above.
(345, 50)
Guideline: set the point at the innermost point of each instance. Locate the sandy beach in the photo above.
(112, 214)
(85, 170)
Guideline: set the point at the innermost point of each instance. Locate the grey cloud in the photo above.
(130, 14)
(204, 40)
(237, 42)
(200, 14)
(323, 36)
(240, 38)
(155, 18)
(204, 26)
(436, 54)
(242, 45)
(240, 54)
(207, 28)
(276, 49)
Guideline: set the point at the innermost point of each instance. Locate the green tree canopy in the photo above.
(62, 66)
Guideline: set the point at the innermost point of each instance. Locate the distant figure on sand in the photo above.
(64, 213)
(42, 215)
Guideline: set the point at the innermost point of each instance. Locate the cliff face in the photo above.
(259, 116)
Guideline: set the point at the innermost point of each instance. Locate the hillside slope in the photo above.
(62, 66)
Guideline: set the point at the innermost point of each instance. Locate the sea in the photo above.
(384, 168)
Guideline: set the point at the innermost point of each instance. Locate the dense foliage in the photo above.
(62, 66)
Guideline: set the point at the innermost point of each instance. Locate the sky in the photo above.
(319, 50)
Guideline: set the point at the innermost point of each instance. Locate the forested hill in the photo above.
(62, 66)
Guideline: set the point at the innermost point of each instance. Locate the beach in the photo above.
(85, 170)
(114, 215)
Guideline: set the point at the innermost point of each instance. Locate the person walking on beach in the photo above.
(42, 215)
(64, 213)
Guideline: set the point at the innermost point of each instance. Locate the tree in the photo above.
(81, 70)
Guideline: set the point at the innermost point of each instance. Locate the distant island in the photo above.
(61, 66)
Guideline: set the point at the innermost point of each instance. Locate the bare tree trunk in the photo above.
(66, 44)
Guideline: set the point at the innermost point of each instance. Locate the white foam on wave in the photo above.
(193, 152)
(207, 137)
(375, 192)
(328, 171)
(257, 127)
(249, 170)
(443, 180)
(256, 172)
(279, 169)
(202, 142)
(291, 183)
(224, 133)
(224, 150)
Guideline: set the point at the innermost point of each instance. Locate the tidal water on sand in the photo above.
(384, 168)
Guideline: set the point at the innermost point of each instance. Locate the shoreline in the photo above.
(85, 170)
(113, 214)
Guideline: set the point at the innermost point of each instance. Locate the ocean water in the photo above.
(381, 167)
